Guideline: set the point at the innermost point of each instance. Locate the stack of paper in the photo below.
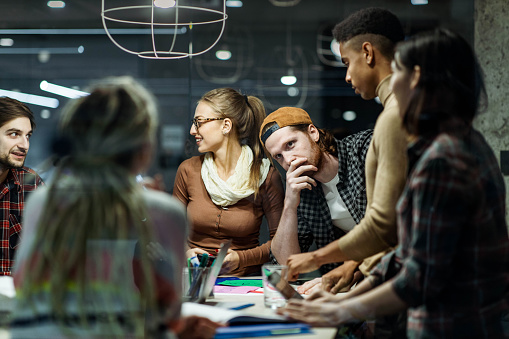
(7, 293)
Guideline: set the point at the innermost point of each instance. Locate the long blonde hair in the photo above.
(246, 113)
(94, 194)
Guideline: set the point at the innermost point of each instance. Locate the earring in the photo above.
(224, 132)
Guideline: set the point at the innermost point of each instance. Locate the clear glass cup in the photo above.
(193, 282)
(271, 297)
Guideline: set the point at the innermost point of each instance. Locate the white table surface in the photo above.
(260, 309)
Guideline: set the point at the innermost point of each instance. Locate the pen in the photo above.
(204, 260)
(242, 306)
(195, 263)
(189, 265)
(194, 290)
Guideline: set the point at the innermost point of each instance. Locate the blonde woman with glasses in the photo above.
(230, 188)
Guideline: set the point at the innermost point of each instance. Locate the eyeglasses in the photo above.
(198, 122)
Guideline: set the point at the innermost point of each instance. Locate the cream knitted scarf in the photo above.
(225, 193)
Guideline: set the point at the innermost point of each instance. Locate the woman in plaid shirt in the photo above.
(451, 270)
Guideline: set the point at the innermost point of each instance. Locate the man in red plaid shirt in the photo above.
(16, 181)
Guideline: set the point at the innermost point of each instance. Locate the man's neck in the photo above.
(383, 69)
(329, 168)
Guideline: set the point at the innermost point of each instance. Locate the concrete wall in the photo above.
(491, 41)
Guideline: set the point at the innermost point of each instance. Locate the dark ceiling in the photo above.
(266, 41)
(260, 15)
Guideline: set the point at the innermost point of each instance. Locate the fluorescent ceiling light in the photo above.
(292, 91)
(349, 115)
(56, 4)
(92, 31)
(288, 80)
(164, 3)
(62, 90)
(419, 2)
(52, 50)
(334, 47)
(223, 55)
(45, 114)
(6, 42)
(234, 3)
(31, 98)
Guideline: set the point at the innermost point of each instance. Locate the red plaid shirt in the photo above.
(14, 191)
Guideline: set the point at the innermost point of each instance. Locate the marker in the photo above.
(204, 260)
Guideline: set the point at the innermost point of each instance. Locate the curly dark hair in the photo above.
(381, 27)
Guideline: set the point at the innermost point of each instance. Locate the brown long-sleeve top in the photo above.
(212, 224)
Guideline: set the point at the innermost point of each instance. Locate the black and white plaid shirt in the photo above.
(314, 218)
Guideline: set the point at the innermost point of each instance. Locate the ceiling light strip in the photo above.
(53, 50)
(62, 90)
(31, 98)
(92, 31)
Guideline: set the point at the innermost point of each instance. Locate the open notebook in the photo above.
(230, 317)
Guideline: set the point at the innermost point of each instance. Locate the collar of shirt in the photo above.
(13, 179)
(383, 91)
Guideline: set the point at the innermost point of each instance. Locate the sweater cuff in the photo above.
(242, 259)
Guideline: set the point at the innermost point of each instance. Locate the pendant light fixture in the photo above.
(170, 21)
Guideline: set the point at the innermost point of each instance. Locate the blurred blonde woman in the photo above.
(231, 187)
(77, 272)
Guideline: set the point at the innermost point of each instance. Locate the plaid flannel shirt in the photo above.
(314, 218)
(453, 259)
(14, 191)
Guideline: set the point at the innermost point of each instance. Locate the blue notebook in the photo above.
(261, 330)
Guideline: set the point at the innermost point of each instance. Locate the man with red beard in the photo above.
(16, 181)
(325, 187)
